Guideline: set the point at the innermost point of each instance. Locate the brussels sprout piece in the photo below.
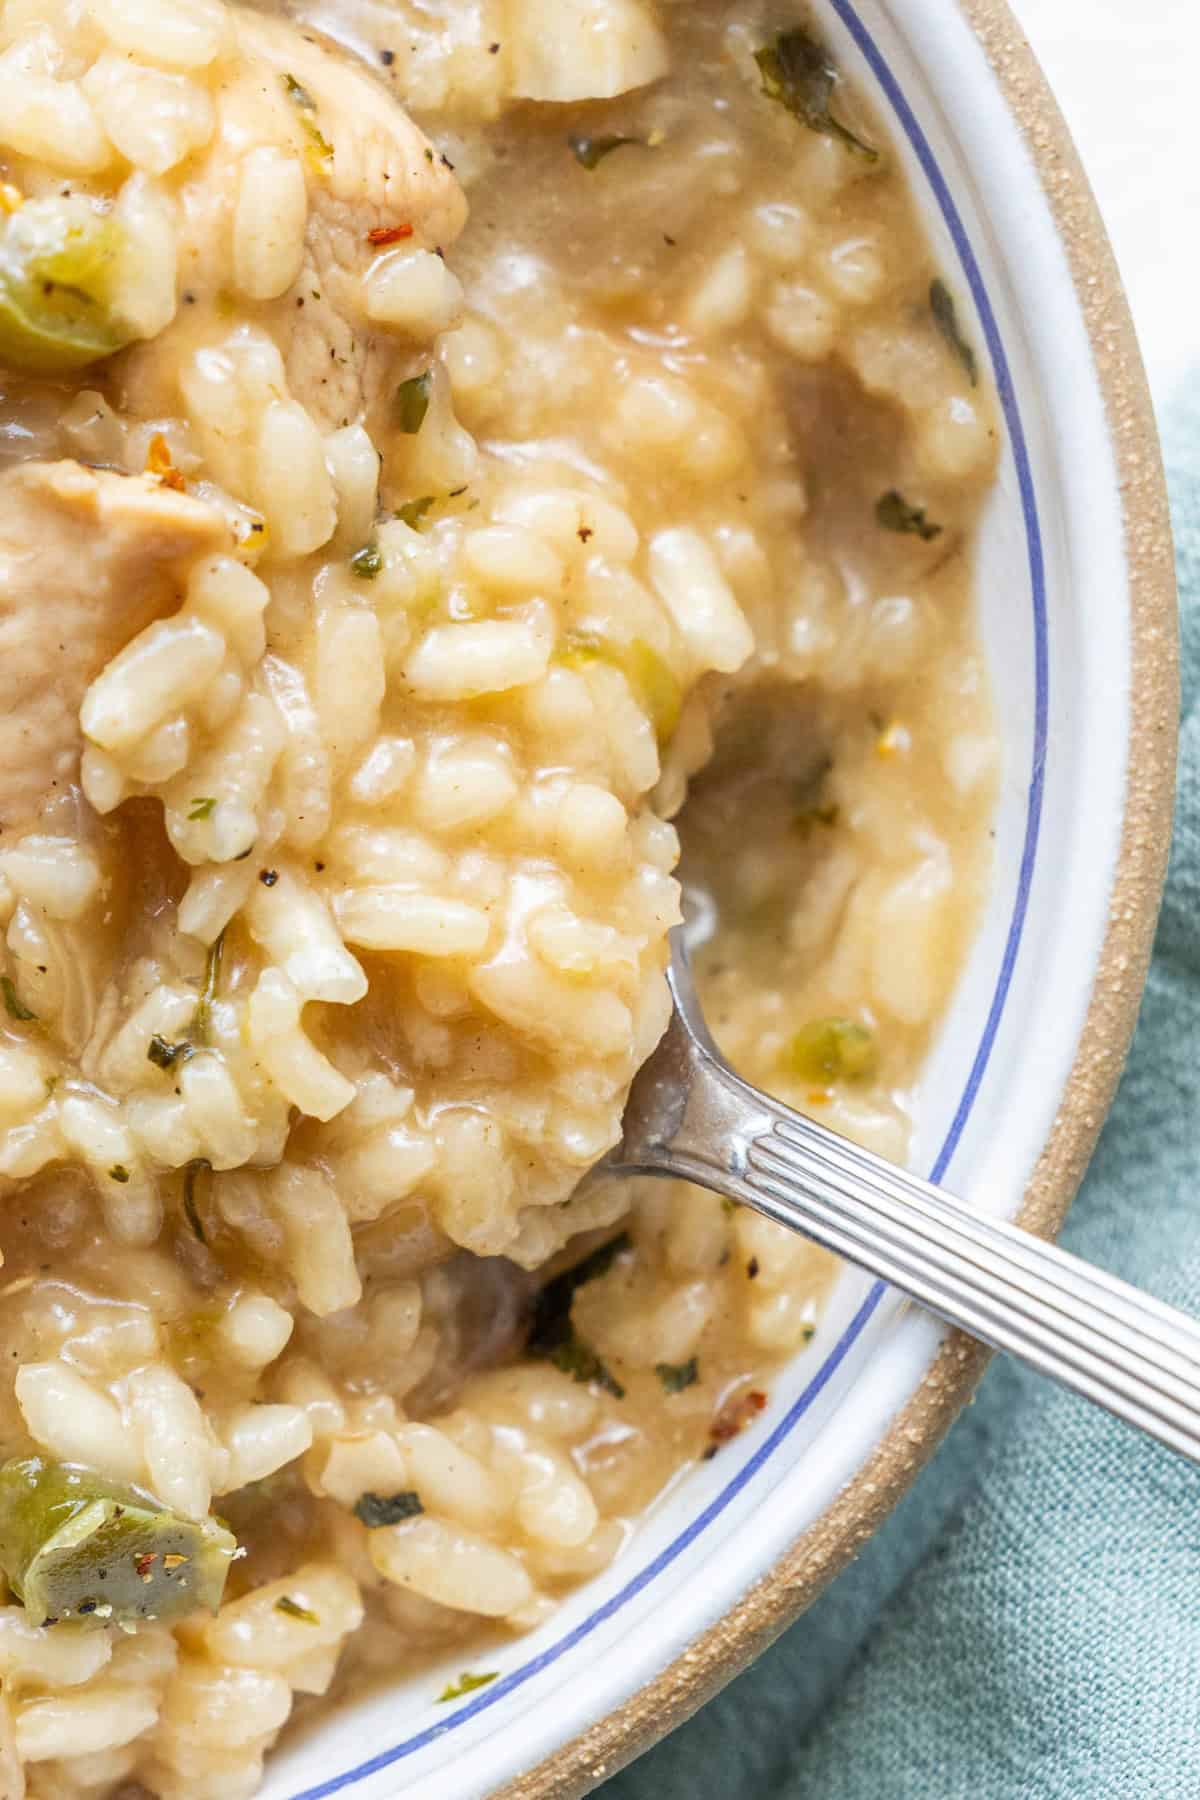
(74, 1546)
(653, 682)
(58, 267)
(831, 1050)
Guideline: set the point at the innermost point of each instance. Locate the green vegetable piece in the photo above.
(59, 260)
(798, 72)
(466, 1684)
(654, 684)
(201, 1023)
(320, 150)
(378, 1510)
(367, 563)
(203, 807)
(412, 403)
(14, 1005)
(677, 1376)
(945, 316)
(119, 1173)
(658, 687)
(75, 1546)
(165, 1055)
(293, 1609)
(589, 151)
(831, 1050)
(894, 513)
(413, 511)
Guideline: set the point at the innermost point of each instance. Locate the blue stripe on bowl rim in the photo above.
(507, 1684)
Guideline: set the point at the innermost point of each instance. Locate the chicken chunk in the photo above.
(87, 559)
(302, 121)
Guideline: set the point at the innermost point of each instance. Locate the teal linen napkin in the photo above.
(1027, 1624)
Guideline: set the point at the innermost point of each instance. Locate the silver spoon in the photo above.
(690, 1116)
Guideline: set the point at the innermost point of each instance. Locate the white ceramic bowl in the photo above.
(1078, 619)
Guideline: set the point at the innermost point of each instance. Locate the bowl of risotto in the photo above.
(471, 473)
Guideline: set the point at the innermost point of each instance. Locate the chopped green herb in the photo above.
(945, 316)
(14, 1004)
(413, 511)
(165, 1055)
(798, 72)
(589, 151)
(367, 563)
(203, 808)
(677, 1376)
(809, 1333)
(191, 1211)
(466, 1684)
(320, 150)
(581, 1363)
(376, 1510)
(202, 1017)
(553, 1338)
(729, 1208)
(894, 513)
(831, 1050)
(412, 403)
(118, 1172)
(285, 1604)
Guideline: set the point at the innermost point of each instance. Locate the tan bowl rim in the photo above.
(796, 1579)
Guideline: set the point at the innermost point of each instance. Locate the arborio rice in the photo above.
(371, 597)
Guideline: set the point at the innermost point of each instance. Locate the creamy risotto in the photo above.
(377, 584)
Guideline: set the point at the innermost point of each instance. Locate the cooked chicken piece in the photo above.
(87, 559)
(302, 127)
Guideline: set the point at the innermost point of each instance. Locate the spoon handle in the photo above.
(1089, 1330)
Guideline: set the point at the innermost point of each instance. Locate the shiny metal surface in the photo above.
(690, 1116)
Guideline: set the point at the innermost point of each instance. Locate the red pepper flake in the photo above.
(389, 234)
(735, 1415)
(584, 533)
(144, 1564)
(160, 462)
